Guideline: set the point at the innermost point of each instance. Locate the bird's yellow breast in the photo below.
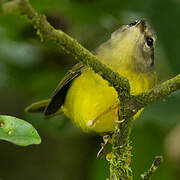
(92, 104)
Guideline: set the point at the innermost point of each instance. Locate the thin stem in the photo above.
(156, 163)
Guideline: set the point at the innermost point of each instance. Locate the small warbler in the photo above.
(86, 98)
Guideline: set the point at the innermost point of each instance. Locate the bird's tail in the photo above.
(40, 106)
(37, 107)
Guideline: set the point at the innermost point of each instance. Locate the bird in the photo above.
(88, 99)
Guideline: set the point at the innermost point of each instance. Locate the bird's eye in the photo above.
(149, 41)
(133, 23)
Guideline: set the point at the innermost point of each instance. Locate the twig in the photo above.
(156, 163)
(121, 155)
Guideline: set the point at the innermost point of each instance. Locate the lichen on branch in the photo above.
(120, 161)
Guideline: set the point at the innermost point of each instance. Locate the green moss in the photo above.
(121, 155)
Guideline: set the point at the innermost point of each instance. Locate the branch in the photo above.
(66, 43)
(156, 163)
(160, 91)
(134, 103)
(120, 161)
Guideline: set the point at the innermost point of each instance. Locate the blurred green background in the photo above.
(30, 70)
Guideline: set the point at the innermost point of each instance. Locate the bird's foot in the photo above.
(106, 139)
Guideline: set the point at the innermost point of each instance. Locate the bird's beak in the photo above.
(141, 25)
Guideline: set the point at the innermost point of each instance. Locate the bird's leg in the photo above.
(106, 139)
(92, 123)
(116, 120)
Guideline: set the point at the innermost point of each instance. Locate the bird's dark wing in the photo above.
(58, 98)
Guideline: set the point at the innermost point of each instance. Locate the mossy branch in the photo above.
(120, 161)
(65, 42)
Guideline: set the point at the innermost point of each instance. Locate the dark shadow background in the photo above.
(30, 70)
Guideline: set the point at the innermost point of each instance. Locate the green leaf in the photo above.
(18, 131)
